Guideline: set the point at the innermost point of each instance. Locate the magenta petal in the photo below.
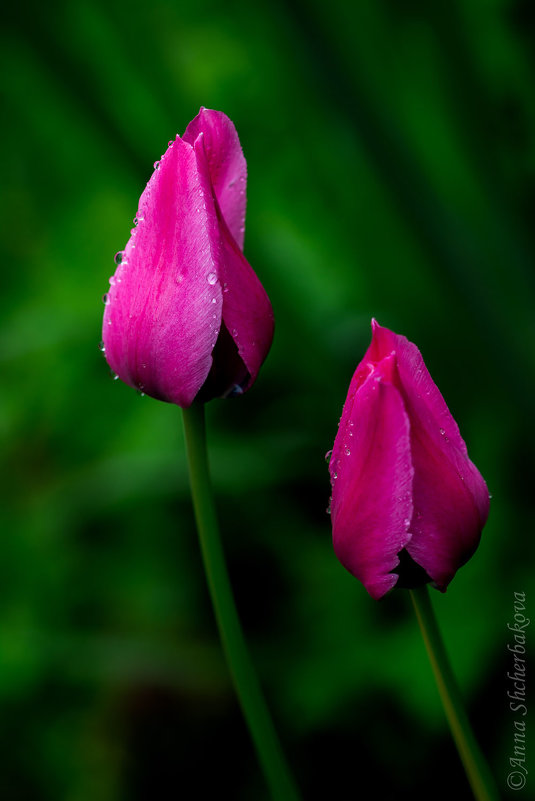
(371, 474)
(451, 499)
(247, 312)
(408, 487)
(227, 166)
(165, 304)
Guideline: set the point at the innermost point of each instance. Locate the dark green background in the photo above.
(390, 147)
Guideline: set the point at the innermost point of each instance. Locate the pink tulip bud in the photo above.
(408, 505)
(186, 317)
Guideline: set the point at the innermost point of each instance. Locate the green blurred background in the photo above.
(390, 147)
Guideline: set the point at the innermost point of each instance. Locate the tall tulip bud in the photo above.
(186, 317)
(408, 505)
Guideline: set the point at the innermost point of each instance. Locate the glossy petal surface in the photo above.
(371, 474)
(226, 164)
(451, 499)
(410, 484)
(183, 285)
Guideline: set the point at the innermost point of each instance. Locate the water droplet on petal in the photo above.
(407, 522)
(328, 509)
(105, 299)
(214, 300)
(335, 476)
(442, 431)
(114, 375)
(212, 278)
(347, 451)
(328, 455)
(102, 347)
(112, 280)
(234, 391)
(118, 257)
(156, 165)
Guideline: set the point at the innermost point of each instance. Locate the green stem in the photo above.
(241, 668)
(476, 768)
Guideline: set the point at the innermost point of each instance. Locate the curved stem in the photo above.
(476, 768)
(241, 668)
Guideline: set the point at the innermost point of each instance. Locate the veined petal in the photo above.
(164, 308)
(451, 499)
(371, 475)
(227, 166)
(247, 312)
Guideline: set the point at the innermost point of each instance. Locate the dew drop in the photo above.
(347, 451)
(156, 165)
(335, 476)
(328, 509)
(328, 455)
(214, 300)
(102, 347)
(234, 391)
(112, 280)
(407, 522)
(118, 257)
(442, 431)
(114, 376)
(105, 299)
(212, 278)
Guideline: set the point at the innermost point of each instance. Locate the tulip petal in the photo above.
(371, 475)
(165, 305)
(451, 500)
(227, 166)
(247, 312)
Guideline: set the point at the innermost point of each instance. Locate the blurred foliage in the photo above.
(390, 148)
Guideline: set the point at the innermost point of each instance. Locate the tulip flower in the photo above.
(186, 316)
(408, 505)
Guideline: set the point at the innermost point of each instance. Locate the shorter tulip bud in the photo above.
(186, 317)
(408, 505)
